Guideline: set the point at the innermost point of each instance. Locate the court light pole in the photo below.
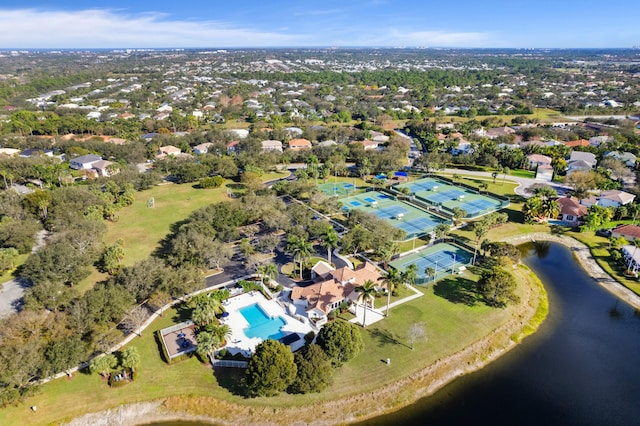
(453, 265)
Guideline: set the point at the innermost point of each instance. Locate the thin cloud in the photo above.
(34, 28)
(442, 38)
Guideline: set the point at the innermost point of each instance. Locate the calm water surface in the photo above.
(581, 368)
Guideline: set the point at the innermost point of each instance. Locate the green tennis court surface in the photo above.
(444, 259)
(337, 188)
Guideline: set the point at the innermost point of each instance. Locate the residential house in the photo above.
(332, 288)
(149, 136)
(367, 144)
(102, 168)
(271, 145)
(599, 140)
(581, 161)
(571, 210)
(321, 270)
(9, 151)
(536, 160)
(202, 148)
(627, 158)
(328, 142)
(84, 162)
(298, 144)
(239, 133)
(233, 147)
(499, 131)
(610, 198)
(629, 232)
(170, 150)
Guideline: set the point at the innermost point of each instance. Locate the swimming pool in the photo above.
(262, 325)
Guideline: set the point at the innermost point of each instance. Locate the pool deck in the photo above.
(239, 342)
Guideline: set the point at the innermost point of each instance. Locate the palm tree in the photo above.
(207, 342)
(458, 214)
(205, 312)
(130, 358)
(300, 249)
(480, 231)
(410, 274)
(391, 281)
(366, 291)
(270, 271)
(483, 186)
(549, 208)
(442, 230)
(430, 272)
(221, 332)
(330, 241)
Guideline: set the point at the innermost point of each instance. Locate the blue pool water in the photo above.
(262, 325)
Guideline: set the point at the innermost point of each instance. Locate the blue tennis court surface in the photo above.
(439, 261)
(370, 200)
(418, 225)
(422, 186)
(389, 212)
(347, 185)
(356, 203)
(385, 197)
(440, 197)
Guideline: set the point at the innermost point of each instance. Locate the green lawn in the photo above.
(9, 274)
(522, 173)
(599, 247)
(452, 318)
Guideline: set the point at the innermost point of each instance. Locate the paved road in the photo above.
(11, 295)
(12, 292)
(524, 183)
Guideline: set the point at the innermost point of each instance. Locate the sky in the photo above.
(312, 23)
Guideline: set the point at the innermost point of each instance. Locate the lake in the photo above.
(581, 366)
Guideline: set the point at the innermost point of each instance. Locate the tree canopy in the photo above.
(271, 369)
(341, 341)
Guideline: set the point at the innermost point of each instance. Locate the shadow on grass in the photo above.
(236, 186)
(457, 290)
(385, 337)
(232, 379)
(183, 312)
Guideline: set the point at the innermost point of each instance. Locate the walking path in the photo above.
(588, 263)
(375, 315)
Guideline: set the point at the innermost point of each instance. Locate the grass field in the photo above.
(452, 316)
(142, 228)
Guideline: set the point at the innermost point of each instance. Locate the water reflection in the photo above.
(579, 368)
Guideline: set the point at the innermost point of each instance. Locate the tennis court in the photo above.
(413, 220)
(444, 259)
(337, 188)
(445, 195)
